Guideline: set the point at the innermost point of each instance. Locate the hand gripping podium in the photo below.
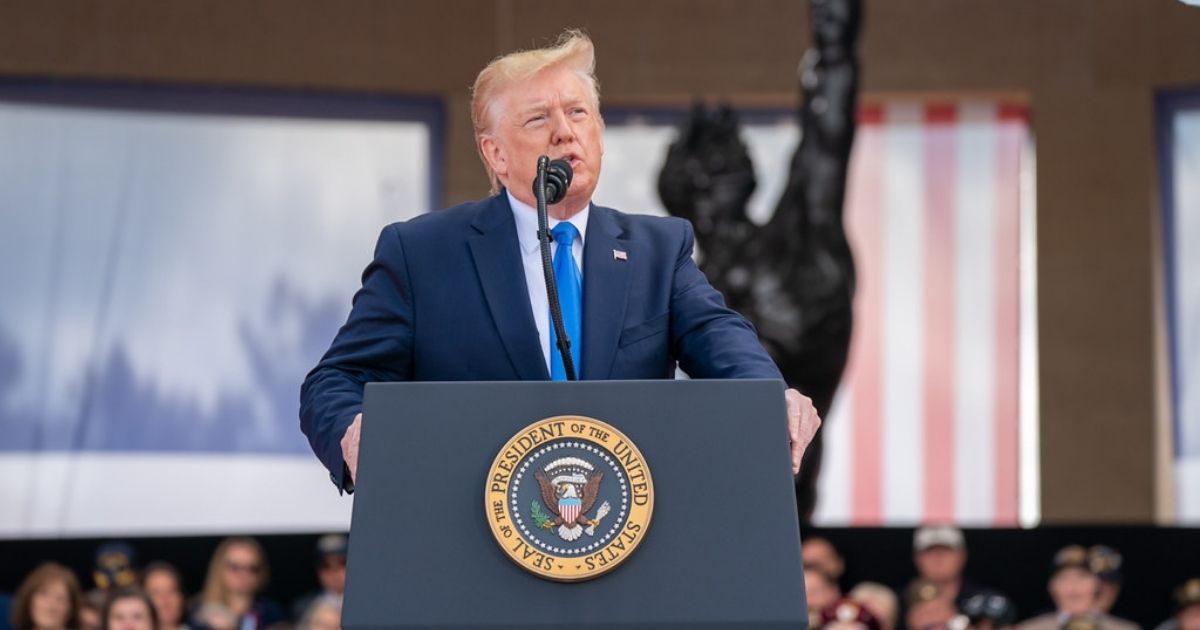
(475, 500)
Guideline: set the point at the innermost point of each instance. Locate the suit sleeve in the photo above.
(375, 344)
(709, 339)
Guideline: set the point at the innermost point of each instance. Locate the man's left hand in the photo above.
(803, 423)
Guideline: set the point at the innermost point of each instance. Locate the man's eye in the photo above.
(578, 112)
(535, 119)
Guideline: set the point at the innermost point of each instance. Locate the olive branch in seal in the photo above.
(540, 516)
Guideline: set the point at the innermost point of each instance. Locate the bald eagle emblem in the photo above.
(569, 488)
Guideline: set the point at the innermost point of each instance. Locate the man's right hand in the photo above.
(350, 446)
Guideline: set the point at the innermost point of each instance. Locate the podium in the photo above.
(721, 548)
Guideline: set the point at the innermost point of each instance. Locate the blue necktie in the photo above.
(570, 296)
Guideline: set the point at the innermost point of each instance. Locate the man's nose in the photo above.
(561, 131)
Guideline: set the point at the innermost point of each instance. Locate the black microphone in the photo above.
(558, 179)
(549, 187)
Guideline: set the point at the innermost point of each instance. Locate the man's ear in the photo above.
(494, 154)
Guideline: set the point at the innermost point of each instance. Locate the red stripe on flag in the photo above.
(866, 361)
(939, 272)
(1007, 320)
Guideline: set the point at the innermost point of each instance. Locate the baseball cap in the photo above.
(938, 536)
(332, 545)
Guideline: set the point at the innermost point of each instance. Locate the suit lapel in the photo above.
(497, 256)
(605, 287)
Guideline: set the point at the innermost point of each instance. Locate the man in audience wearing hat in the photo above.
(1075, 587)
(1106, 563)
(1187, 608)
(331, 572)
(940, 554)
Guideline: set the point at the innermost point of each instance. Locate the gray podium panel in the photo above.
(722, 549)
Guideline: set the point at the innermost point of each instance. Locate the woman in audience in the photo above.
(164, 586)
(230, 599)
(129, 608)
(49, 599)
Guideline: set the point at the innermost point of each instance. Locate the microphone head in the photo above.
(558, 180)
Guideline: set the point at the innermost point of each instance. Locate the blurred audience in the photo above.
(1187, 608)
(331, 571)
(115, 566)
(989, 612)
(92, 610)
(822, 592)
(128, 608)
(1106, 564)
(940, 555)
(48, 599)
(230, 600)
(1075, 587)
(163, 584)
(929, 606)
(848, 614)
(820, 554)
(880, 600)
(323, 613)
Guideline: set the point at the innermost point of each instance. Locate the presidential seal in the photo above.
(569, 498)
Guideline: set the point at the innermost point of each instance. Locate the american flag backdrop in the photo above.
(927, 425)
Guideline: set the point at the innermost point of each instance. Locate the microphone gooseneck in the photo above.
(550, 186)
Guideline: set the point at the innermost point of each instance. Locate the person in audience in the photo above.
(163, 584)
(880, 600)
(1106, 564)
(1187, 608)
(324, 613)
(91, 614)
(230, 600)
(822, 591)
(940, 555)
(1074, 587)
(820, 554)
(48, 599)
(331, 571)
(847, 614)
(129, 608)
(989, 612)
(929, 606)
(115, 566)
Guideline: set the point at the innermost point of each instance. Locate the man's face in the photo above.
(821, 592)
(551, 113)
(167, 598)
(1074, 590)
(819, 553)
(331, 573)
(940, 564)
(1189, 618)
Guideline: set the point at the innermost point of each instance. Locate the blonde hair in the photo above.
(215, 591)
(573, 50)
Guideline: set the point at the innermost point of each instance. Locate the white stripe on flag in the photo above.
(835, 482)
(903, 339)
(975, 293)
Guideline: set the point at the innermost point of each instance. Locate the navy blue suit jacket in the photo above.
(445, 300)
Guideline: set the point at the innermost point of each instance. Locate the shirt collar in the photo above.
(527, 223)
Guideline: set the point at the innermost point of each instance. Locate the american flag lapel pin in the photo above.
(620, 255)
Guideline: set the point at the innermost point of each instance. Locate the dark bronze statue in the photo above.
(794, 276)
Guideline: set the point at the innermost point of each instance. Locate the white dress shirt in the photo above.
(531, 259)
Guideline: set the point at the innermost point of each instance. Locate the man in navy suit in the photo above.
(458, 294)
